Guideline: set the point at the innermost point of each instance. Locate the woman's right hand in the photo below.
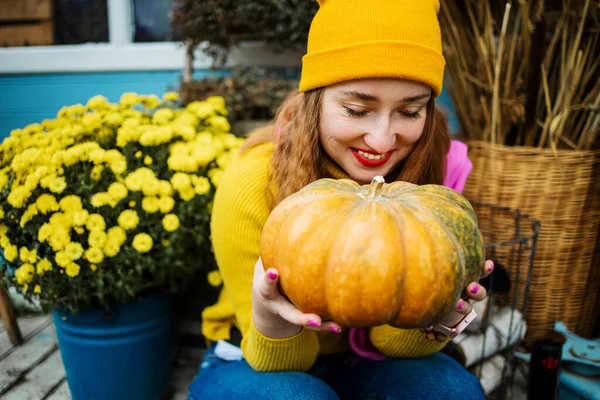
(273, 315)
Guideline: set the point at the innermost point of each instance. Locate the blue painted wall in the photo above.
(25, 99)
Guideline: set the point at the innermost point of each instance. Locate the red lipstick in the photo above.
(367, 162)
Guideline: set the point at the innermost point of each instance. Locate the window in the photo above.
(151, 20)
(107, 35)
(80, 21)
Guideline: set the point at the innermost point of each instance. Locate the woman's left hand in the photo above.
(475, 291)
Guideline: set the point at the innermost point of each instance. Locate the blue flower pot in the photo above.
(124, 354)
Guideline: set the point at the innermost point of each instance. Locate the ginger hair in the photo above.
(297, 121)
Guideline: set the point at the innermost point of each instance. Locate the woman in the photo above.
(365, 107)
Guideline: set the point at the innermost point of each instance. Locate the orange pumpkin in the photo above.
(397, 254)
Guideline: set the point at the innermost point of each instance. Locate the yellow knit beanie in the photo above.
(353, 39)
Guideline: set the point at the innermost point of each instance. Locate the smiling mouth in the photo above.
(369, 159)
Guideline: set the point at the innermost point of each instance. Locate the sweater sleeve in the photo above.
(240, 211)
(403, 343)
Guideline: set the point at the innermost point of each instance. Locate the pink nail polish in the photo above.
(461, 304)
(313, 323)
(491, 267)
(334, 329)
(475, 289)
(272, 275)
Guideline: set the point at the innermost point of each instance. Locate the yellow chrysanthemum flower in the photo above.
(80, 217)
(165, 188)
(142, 242)
(101, 199)
(201, 185)
(37, 289)
(97, 238)
(119, 166)
(151, 187)
(11, 252)
(151, 101)
(94, 255)
(202, 109)
(70, 203)
(97, 156)
(97, 102)
(28, 256)
(3, 180)
(44, 232)
(62, 259)
(218, 102)
(171, 222)
(181, 181)
(214, 278)
(72, 270)
(128, 220)
(93, 267)
(60, 238)
(219, 123)
(95, 222)
(44, 265)
(163, 116)
(129, 99)
(171, 96)
(148, 160)
(18, 196)
(114, 119)
(204, 154)
(57, 185)
(166, 204)
(187, 194)
(91, 121)
(24, 273)
(118, 191)
(74, 250)
(46, 203)
(134, 182)
(112, 248)
(28, 215)
(150, 204)
(116, 234)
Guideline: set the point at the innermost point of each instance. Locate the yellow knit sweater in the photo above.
(240, 211)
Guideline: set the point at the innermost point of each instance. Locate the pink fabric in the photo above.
(458, 168)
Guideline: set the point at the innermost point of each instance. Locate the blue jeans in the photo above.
(334, 377)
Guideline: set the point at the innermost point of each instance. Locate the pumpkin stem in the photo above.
(375, 187)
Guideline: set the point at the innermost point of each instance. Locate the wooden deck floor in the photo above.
(34, 370)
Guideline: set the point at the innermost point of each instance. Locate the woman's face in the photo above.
(368, 126)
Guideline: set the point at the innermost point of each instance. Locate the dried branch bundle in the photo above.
(520, 74)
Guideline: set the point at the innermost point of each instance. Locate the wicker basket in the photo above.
(563, 192)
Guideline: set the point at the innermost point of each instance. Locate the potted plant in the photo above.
(220, 24)
(252, 95)
(104, 213)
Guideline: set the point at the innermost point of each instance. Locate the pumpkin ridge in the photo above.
(301, 210)
(458, 269)
(400, 227)
(333, 243)
(469, 221)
